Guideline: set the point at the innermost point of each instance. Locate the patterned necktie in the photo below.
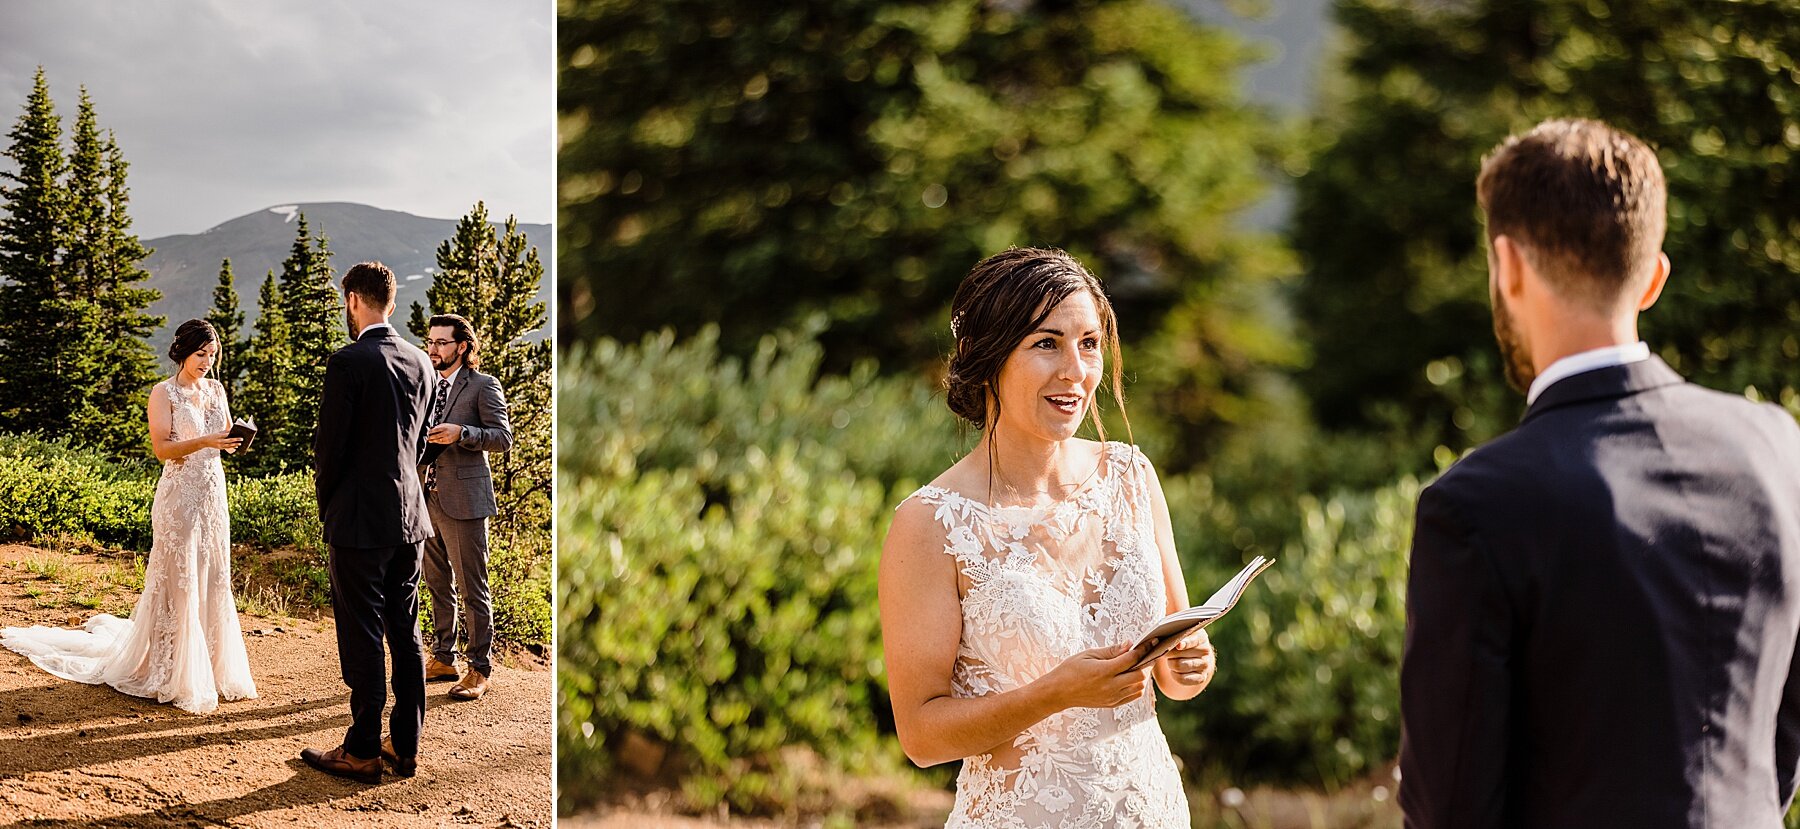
(437, 417)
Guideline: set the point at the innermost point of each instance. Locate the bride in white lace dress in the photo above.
(182, 643)
(1014, 585)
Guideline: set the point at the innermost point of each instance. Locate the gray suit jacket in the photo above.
(465, 484)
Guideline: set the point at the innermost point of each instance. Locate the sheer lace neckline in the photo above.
(195, 390)
(1103, 470)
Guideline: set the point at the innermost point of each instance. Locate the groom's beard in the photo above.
(1513, 356)
(350, 323)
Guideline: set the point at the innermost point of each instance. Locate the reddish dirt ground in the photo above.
(81, 755)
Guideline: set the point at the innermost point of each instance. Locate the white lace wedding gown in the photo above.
(1039, 585)
(182, 643)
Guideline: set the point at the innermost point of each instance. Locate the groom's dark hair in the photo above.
(462, 332)
(372, 281)
(1587, 204)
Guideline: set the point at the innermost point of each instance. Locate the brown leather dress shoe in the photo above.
(436, 671)
(340, 763)
(471, 686)
(403, 766)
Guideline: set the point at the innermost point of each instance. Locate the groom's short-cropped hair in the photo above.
(372, 281)
(462, 332)
(1587, 204)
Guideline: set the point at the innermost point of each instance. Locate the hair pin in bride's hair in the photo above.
(956, 323)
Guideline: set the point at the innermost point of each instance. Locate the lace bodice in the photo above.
(196, 411)
(1038, 585)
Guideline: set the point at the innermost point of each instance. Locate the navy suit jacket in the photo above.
(1602, 614)
(368, 441)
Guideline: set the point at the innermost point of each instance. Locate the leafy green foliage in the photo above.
(855, 158)
(519, 573)
(1396, 291)
(120, 299)
(1308, 688)
(719, 535)
(52, 488)
(55, 488)
(276, 511)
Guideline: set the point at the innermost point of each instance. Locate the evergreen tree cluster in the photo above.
(486, 276)
(1395, 296)
(849, 161)
(299, 323)
(491, 278)
(73, 355)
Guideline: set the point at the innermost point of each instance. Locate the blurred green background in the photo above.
(765, 208)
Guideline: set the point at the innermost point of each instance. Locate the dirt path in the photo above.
(81, 755)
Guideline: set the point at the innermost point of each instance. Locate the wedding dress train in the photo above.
(182, 643)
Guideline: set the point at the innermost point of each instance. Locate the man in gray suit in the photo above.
(468, 420)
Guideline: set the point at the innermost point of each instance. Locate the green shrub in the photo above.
(660, 404)
(520, 579)
(50, 488)
(1308, 683)
(277, 511)
(717, 559)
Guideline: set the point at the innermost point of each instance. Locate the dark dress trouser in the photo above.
(375, 594)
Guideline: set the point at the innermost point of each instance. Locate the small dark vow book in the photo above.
(432, 451)
(244, 430)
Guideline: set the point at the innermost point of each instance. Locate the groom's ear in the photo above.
(1510, 266)
(1658, 278)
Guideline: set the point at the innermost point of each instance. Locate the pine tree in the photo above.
(266, 395)
(1394, 298)
(128, 364)
(313, 313)
(79, 280)
(492, 279)
(31, 320)
(229, 322)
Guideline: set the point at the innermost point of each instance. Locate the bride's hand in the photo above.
(221, 441)
(1192, 661)
(1099, 678)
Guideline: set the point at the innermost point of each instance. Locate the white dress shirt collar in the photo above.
(1599, 358)
(372, 327)
(452, 376)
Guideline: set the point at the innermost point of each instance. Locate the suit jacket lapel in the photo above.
(456, 389)
(1602, 383)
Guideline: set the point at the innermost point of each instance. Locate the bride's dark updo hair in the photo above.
(192, 336)
(1004, 298)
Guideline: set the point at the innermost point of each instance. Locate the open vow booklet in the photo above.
(244, 430)
(1162, 638)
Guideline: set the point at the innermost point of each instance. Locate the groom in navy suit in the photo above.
(366, 450)
(1604, 602)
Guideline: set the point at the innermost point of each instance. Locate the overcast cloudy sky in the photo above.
(224, 107)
